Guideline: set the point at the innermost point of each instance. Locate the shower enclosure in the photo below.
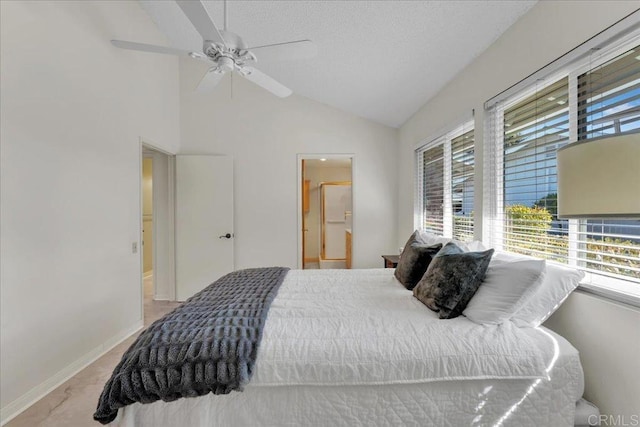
(335, 223)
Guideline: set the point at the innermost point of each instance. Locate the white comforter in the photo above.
(349, 327)
(353, 347)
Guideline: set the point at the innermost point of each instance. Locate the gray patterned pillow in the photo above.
(452, 279)
(414, 260)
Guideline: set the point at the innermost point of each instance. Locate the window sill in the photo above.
(613, 289)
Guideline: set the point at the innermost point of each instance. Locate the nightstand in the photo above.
(390, 261)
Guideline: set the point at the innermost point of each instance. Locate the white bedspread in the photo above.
(353, 347)
(349, 327)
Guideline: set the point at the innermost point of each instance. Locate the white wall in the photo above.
(264, 134)
(547, 31)
(73, 110)
(608, 337)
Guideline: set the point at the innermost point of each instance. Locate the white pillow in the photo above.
(476, 246)
(507, 286)
(432, 239)
(511, 256)
(558, 283)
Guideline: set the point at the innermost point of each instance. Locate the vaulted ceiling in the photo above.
(381, 60)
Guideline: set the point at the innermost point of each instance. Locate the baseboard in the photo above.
(162, 298)
(23, 402)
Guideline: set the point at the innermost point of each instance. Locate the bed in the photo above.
(354, 347)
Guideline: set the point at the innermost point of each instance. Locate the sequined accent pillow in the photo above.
(451, 280)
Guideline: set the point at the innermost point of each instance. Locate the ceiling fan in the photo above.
(227, 51)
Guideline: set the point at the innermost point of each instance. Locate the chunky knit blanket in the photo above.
(207, 345)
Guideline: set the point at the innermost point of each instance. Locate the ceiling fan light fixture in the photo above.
(226, 64)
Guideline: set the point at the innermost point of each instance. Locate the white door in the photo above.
(204, 221)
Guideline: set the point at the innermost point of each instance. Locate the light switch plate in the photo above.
(134, 247)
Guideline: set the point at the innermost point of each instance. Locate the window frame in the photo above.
(621, 290)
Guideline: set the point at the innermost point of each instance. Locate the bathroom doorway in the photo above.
(326, 211)
(147, 223)
(157, 224)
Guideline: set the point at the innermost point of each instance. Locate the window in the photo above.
(609, 104)
(462, 177)
(445, 184)
(534, 129)
(432, 165)
(609, 97)
(600, 96)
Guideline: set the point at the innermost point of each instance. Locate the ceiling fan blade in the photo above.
(266, 82)
(152, 48)
(210, 80)
(199, 17)
(299, 49)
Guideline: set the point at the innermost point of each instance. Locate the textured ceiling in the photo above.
(381, 60)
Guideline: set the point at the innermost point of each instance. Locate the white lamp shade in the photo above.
(600, 178)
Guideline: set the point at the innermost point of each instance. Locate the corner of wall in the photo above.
(15, 408)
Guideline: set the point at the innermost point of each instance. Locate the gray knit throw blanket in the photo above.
(207, 345)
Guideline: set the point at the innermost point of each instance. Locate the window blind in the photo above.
(462, 185)
(520, 191)
(609, 97)
(533, 129)
(431, 186)
(609, 104)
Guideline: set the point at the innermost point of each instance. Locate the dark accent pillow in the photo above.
(414, 260)
(413, 238)
(451, 280)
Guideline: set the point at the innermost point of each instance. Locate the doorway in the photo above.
(146, 244)
(326, 211)
(157, 223)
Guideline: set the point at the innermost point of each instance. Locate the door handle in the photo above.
(225, 236)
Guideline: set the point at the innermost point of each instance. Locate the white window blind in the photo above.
(462, 188)
(445, 184)
(524, 133)
(430, 173)
(608, 101)
(609, 97)
(534, 129)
